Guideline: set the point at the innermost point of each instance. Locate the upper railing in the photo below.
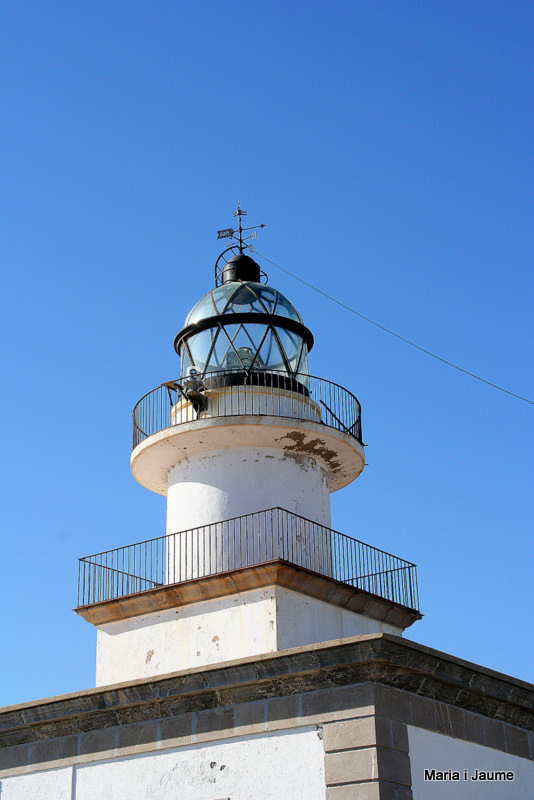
(230, 393)
(246, 541)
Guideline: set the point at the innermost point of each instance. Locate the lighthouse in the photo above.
(251, 650)
(247, 445)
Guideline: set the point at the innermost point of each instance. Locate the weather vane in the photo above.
(230, 233)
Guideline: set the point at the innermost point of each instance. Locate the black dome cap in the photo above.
(241, 268)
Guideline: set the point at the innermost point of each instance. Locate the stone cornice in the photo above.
(377, 658)
(272, 573)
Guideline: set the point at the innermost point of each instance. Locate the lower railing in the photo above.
(246, 541)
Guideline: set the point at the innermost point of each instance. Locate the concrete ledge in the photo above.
(279, 573)
(340, 454)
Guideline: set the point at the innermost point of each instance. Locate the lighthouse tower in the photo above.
(246, 445)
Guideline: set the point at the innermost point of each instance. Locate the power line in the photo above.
(396, 335)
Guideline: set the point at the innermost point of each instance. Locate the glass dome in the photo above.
(238, 297)
(244, 327)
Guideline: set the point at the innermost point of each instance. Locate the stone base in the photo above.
(368, 718)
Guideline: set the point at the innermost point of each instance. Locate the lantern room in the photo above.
(243, 326)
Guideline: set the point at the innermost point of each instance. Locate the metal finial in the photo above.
(240, 214)
(230, 233)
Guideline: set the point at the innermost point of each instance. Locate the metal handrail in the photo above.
(228, 393)
(246, 541)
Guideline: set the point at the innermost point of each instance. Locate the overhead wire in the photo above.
(392, 333)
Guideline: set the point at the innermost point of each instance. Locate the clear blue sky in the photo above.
(388, 148)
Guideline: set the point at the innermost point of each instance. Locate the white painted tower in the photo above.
(246, 446)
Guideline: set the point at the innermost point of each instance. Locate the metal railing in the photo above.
(249, 540)
(230, 393)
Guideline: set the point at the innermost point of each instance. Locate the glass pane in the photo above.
(292, 345)
(250, 336)
(267, 355)
(266, 295)
(200, 345)
(204, 308)
(224, 348)
(291, 341)
(224, 296)
(242, 300)
(186, 361)
(240, 358)
(285, 309)
(302, 366)
(270, 356)
(246, 299)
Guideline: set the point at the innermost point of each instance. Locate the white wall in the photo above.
(302, 620)
(432, 750)
(236, 626)
(279, 766)
(287, 765)
(241, 480)
(55, 784)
